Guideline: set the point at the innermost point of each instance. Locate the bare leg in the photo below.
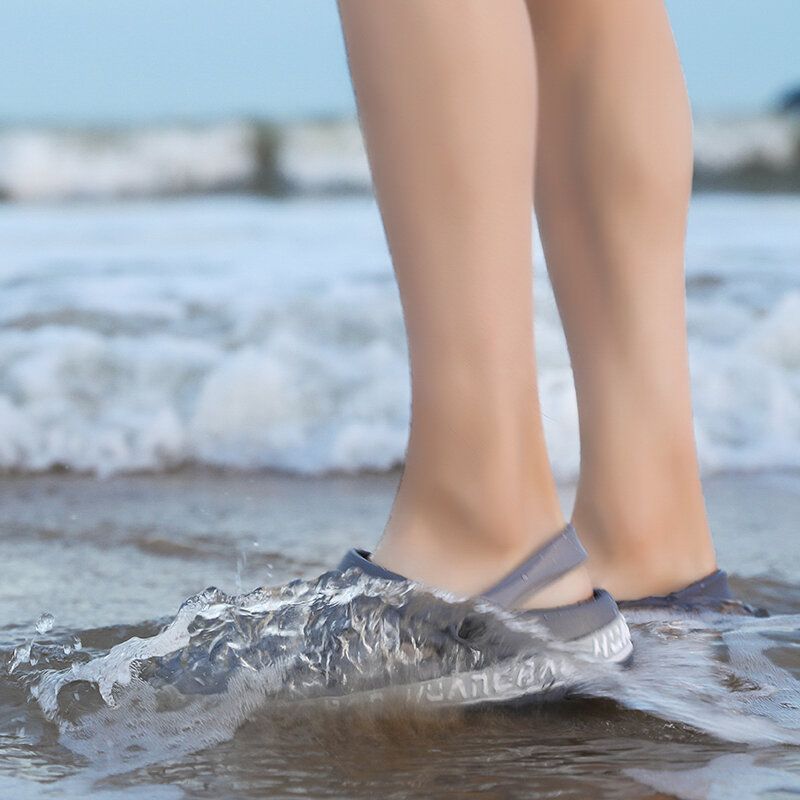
(446, 94)
(612, 189)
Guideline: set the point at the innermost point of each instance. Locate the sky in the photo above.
(133, 61)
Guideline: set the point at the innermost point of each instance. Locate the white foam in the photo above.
(316, 157)
(78, 787)
(53, 164)
(747, 393)
(731, 775)
(269, 334)
(726, 143)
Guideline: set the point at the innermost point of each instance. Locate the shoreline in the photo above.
(114, 559)
(139, 545)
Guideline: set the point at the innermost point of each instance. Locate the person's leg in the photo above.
(446, 95)
(613, 180)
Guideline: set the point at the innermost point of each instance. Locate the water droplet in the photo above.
(45, 623)
(524, 576)
(22, 655)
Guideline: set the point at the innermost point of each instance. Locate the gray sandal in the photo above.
(713, 590)
(591, 631)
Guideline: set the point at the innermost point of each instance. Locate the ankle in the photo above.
(649, 554)
(464, 543)
(468, 571)
(635, 578)
(495, 499)
(452, 522)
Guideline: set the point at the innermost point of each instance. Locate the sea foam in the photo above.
(48, 164)
(263, 334)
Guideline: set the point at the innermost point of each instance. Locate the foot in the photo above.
(632, 567)
(466, 563)
(642, 516)
(634, 578)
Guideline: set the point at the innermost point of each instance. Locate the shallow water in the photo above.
(214, 701)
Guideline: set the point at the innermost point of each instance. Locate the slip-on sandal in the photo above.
(591, 630)
(712, 590)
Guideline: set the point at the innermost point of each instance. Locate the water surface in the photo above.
(130, 688)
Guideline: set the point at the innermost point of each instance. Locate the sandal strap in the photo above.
(557, 557)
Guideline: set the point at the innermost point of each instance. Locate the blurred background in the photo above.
(203, 374)
(192, 267)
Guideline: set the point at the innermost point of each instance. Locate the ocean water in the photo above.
(49, 164)
(254, 333)
(121, 676)
(213, 392)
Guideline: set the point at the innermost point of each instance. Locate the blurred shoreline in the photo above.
(758, 153)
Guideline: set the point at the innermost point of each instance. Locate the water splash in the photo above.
(712, 672)
(25, 654)
(45, 623)
(22, 655)
(227, 659)
(223, 658)
(734, 775)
